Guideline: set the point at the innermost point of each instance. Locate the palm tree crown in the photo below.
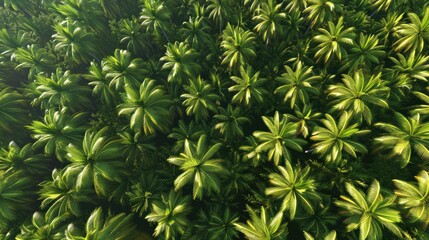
(238, 45)
(181, 60)
(359, 92)
(296, 84)
(77, 43)
(334, 138)
(413, 35)
(199, 99)
(296, 188)
(248, 87)
(409, 134)
(279, 139)
(148, 107)
(369, 212)
(414, 197)
(199, 167)
(333, 41)
(98, 161)
(269, 18)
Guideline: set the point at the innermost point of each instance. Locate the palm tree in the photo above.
(153, 69)
(11, 41)
(39, 228)
(414, 198)
(299, 52)
(369, 212)
(137, 147)
(170, 214)
(218, 11)
(97, 78)
(280, 138)
(131, 34)
(146, 189)
(17, 197)
(181, 60)
(199, 99)
(238, 180)
(40, 24)
(155, 17)
(77, 43)
(269, 20)
(295, 187)
(35, 59)
(360, 20)
(58, 129)
(229, 122)
(412, 36)
(61, 90)
(407, 70)
(387, 26)
(183, 132)
(407, 135)
(304, 118)
(25, 159)
(334, 139)
(196, 32)
(104, 226)
(88, 13)
(263, 227)
(13, 112)
(294, 28)
(249, 87)
(320, 222)
(297, 84)
(239, 47)
(98, 161)
(320, 11)
(122, 69)
(60, 196)
(148, 107)
(333, 42)
(357, 94)
(365, 53)
(199, 167)
(216, 223)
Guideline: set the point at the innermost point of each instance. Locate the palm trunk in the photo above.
(165, 35)
(96, 59)
(370, 16)
(220, 25)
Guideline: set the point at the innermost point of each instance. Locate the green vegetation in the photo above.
(214, 119)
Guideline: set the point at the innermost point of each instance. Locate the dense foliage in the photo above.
(217, 119)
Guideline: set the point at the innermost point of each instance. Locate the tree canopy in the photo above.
(217, 119)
